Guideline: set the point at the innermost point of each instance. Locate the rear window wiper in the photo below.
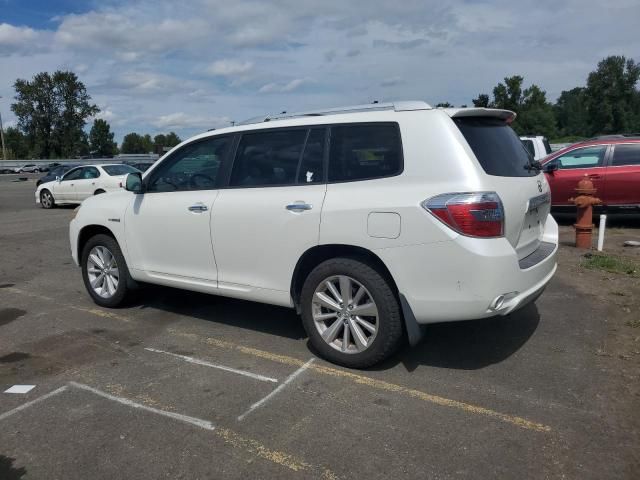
(533, 165)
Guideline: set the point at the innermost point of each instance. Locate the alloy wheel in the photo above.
(102, 270)
(345, 314)
(46, 199)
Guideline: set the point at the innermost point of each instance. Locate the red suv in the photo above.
(613, 164)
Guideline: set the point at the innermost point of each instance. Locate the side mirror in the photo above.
(133, 182)
(550, 167)
(58, 178)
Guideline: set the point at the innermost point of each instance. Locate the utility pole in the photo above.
(4, 150)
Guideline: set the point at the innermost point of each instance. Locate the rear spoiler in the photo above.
(506, 115)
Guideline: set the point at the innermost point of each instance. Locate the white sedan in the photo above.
(82, 182)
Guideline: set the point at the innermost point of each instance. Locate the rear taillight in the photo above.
(473, 214)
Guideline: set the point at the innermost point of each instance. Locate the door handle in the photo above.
(594, 176)
(198, 207)
(298, 207)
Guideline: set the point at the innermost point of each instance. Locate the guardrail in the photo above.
(12, 164)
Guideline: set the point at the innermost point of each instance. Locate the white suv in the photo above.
(369, 220)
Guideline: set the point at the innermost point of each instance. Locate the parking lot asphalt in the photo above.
(184, 385)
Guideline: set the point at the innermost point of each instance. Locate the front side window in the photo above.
(362, 152)
(626, 155)
(311, 166)
(195, 166)
(588, 157)
(268, 158)
(73, 174)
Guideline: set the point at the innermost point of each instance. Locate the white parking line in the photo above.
(32, 402)
(197, 361)
(124, 401)
(289, 379)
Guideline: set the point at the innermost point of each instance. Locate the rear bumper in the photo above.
(462, 279)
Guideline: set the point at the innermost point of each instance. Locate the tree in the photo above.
(159, 141)
(147, 143)
(535, 114)
(444, 105)
(571, 113)
(52, 111)
(172, 140)
(133, 143)
(16, 144)
(101, 139)
(611, 97)
(481, 101)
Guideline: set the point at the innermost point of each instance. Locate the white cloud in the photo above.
(283, 87)
(181, 120)
(229, 68)
(19, 40)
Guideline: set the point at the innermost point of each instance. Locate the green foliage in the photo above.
(611, 263)
(611, 98)
(444, 105)
(101, 139)
(535, 114)
(172, 140)
(571, 113)
(16, 144)
(52, 111)
(133, 143)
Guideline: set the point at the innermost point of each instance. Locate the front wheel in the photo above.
(104, 271)
(46, 199)
(351, 313)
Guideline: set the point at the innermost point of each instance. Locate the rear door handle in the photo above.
(298, 207)
(594, 176)
(198, 207)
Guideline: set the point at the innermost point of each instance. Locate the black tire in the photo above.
(46, 199)
(390, 332)
(99, 191)
(125, 281)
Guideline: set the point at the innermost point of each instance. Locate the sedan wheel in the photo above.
(345, 314)
(102, 271)
(46, 199)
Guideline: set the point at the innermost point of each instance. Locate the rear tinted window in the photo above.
(496, 146)
(361, 152)
(547, 147)
(626, 155)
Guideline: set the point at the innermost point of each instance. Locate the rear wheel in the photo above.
(46, 199)
(351, 313)
(104, 271)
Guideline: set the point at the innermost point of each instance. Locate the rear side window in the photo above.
(547, 147)
(362, 152)
(268, 158)
(626, 155)
(496, 146)
(116, 170)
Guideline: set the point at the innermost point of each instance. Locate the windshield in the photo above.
(117, 170)
(496, 146)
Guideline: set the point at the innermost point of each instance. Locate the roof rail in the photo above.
(371, 107)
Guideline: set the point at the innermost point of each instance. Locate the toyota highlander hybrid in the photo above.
(369, 220)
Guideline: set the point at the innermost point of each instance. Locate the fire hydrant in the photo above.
(584, 201)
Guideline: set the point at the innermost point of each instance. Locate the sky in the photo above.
(153, 66)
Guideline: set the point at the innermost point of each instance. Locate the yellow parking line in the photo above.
(93, 311)
(374, 383)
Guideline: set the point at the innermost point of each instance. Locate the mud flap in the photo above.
(415, 331)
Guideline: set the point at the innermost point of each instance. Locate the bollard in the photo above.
(601, 227)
